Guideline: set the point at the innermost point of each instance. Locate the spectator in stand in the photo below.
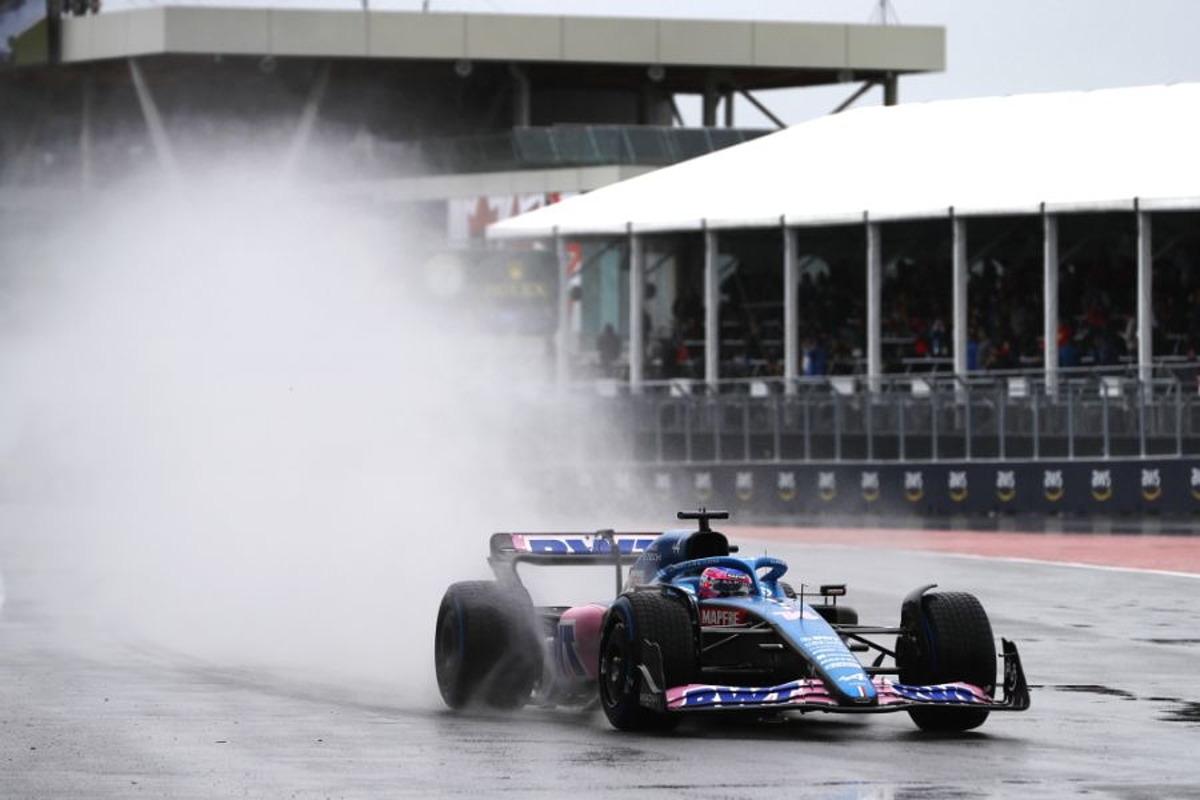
(1103, 352)
(608, 348)
(1068, 356)
(937, 338)
(815, 361)
(1000, 357)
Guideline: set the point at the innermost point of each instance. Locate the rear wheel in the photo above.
(947, 639)
(636, 622)
(487, 650)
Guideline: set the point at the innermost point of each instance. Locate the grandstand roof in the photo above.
(1072, 151)
(758, 55)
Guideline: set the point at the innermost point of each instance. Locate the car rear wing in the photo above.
(598, 547)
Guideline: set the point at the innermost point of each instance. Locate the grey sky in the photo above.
(993, 46)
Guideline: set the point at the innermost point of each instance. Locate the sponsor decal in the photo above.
(582, 544)
(951, 693)
(1151, 484)
(744, 486)
(828, 653)
(914, 486)
(1196, 482)
(812, 693)
(785, 484)
(1102, 484)
(566, 645)
(662, 482)
(827, 486)
(860, 682)
(1006, 485)
(722, 616)
(1053, 485)
(703, 485)
(870, 486)
(956, 483)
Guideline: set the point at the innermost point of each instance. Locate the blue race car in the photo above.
(696, 628)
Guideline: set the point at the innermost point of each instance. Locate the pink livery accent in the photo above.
(811, 693)
(579, 640)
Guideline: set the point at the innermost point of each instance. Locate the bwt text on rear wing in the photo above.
(567, 548)
(599, 547)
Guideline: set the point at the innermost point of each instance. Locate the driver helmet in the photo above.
(723, 582)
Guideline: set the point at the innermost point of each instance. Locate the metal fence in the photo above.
(997, 416)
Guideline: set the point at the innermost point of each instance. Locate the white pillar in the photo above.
(1050, 299)
(791, 311)
(712, 311)
(874, 291)
(958, 246)
(637, 294)
(1145, 308)
(562, 336)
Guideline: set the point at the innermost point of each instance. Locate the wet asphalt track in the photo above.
(1116, 711)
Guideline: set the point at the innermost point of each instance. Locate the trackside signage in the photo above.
(1114, 486)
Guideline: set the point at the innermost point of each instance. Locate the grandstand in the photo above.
(964, 283)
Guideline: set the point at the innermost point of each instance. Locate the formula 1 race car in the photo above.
(695, 628)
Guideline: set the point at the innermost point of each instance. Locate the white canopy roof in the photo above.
(1072, 151)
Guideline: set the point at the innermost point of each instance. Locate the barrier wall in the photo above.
(1097, 488)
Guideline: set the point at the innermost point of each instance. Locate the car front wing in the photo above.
(812, 695)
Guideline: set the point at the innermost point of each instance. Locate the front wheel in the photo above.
(947, 639)
(636, 622)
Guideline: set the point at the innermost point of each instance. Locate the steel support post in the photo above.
(637, 293)
(891, 89)
(522, 97)
(712, 311)
(306, 123)
(158, 132)
(958, 237)
(791, 310)
(874, 290)
(711, 97)
(1145, 311)
(1050, 300)
(562, 336)
(85, 133)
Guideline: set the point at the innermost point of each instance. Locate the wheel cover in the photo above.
(614, 667)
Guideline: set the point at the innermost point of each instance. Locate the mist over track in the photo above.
(1115, 713)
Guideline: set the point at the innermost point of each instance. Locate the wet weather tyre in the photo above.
(487, 651)
(949, 640)
(636, 622)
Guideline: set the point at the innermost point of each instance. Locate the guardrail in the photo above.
(1080, 414)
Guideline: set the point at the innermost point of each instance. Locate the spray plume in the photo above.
(240, 437)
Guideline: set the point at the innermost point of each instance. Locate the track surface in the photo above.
(85, 713)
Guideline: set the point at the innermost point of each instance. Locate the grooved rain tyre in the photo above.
(487, 651)
(950, 641)
(636, 621)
